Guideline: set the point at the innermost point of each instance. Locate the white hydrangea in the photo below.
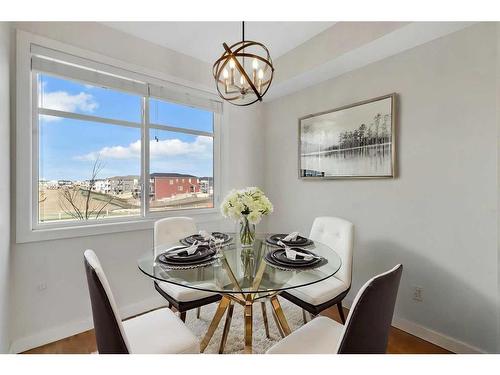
(254, 217)
(250, 201)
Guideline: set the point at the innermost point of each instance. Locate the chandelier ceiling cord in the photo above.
(237, 82)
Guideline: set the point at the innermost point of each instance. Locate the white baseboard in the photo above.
(72, 328)
(427, 334)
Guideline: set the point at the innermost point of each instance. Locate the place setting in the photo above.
(214, 238)
(288, 252)
(291, 239)
(197, 250)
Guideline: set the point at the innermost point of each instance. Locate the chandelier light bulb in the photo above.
(261, 74)
(232, 64)
(225, 74)
(255, 64)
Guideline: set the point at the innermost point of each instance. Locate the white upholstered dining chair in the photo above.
(170, 231)
(156, 332)
(366, 330)
(338, 234)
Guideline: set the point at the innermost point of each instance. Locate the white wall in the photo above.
(498, 179)
(98, 38)
(5, 47)
(63, 308)
(438, 217)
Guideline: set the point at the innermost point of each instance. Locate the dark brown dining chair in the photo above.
(157, 332)
(366, 330)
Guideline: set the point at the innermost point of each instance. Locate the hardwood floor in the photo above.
(400, 342)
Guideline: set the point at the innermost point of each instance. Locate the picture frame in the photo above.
(349, 142)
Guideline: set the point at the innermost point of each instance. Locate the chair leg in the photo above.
(311, 316)
(198, 312)
(170, 305)
(264, 317)
(341, 312)
(183, 316)
(304, 316)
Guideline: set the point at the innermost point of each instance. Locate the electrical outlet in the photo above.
(41, 287)
(418, 293)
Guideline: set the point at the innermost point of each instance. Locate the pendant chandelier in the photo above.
(244, 72)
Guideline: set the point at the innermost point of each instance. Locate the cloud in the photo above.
(200, 147)
(131, 151)
(64, 101)
(175, 147)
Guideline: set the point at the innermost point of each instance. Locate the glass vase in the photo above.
(248, 263)
(247, 232)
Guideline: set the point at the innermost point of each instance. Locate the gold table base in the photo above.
(246, 300)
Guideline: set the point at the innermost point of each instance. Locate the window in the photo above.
(100, 135)
(80, 160)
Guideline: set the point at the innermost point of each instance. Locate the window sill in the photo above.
(54, 233)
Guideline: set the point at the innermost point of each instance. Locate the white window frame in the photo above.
(27, 227)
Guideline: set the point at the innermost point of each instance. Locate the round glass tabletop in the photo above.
(241, 270)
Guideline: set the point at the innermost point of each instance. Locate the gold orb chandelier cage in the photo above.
(244, 72)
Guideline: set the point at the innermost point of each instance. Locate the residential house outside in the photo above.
(168, 185)
(207, 185)
(123, 184)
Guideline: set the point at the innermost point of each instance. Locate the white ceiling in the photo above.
(203, 40)
(409, 36)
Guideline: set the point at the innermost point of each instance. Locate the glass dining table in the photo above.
(242, 275)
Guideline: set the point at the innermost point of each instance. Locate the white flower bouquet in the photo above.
(247, 206)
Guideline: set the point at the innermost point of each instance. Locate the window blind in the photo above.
(76, 68)
(186, 96)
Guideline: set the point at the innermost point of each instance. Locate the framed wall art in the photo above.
(354, 141)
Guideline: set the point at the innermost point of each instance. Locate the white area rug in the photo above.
(235, 341)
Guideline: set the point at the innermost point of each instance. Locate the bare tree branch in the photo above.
(103, 206)
(73, 204)
(69, 198)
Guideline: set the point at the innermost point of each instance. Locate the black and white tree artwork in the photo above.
(355, 141)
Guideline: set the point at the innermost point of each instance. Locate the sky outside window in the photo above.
(164, 113)
(70, 96)
(67, 145)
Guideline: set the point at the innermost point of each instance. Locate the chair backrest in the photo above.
(366, 330)
(109, 332)
(338, 234)
(172, 229)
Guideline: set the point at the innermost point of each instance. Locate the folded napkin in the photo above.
(206, 236)
(190, 250)
(292, 254)
(291, 237)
